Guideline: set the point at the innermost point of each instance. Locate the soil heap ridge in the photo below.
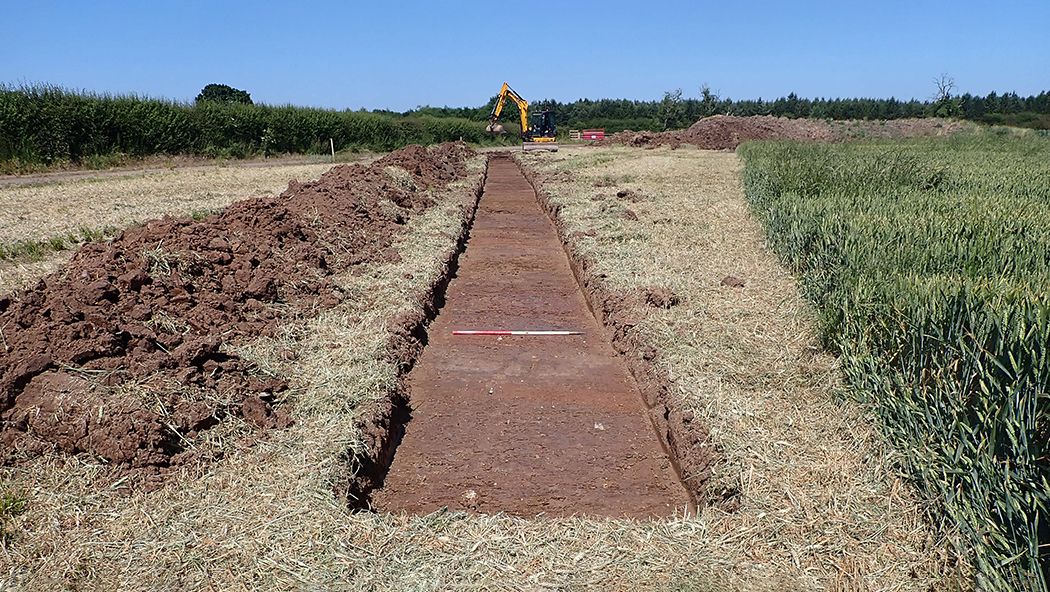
(726, 132)
(122, 353)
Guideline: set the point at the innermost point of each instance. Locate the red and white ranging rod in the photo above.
(514, 332)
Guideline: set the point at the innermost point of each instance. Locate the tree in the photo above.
(709, 101)
(672, 109)
(221, 93)
(944, 103)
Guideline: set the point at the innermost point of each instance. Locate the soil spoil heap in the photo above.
(123, 354)
(726, 132)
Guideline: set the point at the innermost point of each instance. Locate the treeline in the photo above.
(46, 126)
(675, 111)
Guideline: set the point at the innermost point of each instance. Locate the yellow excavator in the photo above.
(542, 136)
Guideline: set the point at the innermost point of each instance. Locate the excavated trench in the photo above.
(525, 425)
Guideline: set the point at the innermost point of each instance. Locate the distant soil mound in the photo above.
(726, 132)
(121, 354)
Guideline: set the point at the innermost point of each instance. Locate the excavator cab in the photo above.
(544, 127)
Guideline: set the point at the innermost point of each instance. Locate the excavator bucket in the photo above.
(495, 129)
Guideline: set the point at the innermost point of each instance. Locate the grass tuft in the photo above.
(12, 505)
(38, 249)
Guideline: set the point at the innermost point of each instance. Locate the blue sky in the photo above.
(398, 55)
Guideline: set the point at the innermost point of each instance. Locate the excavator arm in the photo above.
(543, 136)
(523, 110)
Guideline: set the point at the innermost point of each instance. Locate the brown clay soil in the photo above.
(524, 425)
(122, 354)
(726, 132)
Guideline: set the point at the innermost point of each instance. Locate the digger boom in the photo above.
(523, 108)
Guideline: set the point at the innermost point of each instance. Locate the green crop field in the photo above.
(43, 125)
(929, 263)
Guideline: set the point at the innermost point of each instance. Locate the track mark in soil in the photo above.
(524, 425)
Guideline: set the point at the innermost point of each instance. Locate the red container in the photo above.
(593, 134)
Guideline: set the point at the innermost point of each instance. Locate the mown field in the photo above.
(928, 262)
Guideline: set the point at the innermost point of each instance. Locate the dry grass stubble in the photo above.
(820, 503)
(264, 516)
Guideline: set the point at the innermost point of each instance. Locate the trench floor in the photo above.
(524, 425)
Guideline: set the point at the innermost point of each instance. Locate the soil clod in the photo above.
(657, 297)
(732, 281)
